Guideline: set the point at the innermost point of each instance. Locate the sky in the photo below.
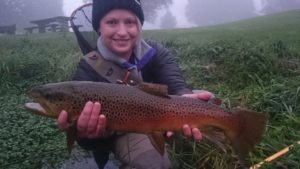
(177, 9)
(71, 5)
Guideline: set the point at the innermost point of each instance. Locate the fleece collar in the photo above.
(143, 53)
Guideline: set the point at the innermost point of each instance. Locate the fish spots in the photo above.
(75, 102)
(126, 105)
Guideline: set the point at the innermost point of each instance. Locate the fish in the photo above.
(148, 108)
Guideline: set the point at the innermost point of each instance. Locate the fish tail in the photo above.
(252, 127)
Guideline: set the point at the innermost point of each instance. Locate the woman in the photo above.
(119, 23)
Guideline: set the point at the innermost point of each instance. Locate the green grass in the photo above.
(27, 140)
(257, 66)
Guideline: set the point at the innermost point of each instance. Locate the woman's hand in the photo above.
(90, 124)
(186, 129)
(188, 132)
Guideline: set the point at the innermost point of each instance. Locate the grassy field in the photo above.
(253, 64)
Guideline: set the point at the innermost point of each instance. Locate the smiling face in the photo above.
(119, 30)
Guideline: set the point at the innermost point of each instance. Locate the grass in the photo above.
(25, 62)
(253, 64)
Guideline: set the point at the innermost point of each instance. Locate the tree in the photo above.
(20, 12)
(9, 11)
(152, 6)
(273, 6)
(211, 12)
(168, 21)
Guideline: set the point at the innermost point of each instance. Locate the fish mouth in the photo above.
(35, 108)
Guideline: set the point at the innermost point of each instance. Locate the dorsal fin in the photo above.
(154, 89)
(216, 101)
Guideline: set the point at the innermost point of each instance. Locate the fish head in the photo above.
(50, 99)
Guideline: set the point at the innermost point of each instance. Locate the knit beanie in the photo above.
(102, 7)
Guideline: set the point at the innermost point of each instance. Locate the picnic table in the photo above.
(30, 29)
(8, 29)
(55, 23)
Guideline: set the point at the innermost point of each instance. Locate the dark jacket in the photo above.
(162, 68)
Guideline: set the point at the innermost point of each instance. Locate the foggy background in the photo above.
(160, 14)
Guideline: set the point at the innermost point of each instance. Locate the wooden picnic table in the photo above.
(8, 29)
(30, 29)
(54, 23)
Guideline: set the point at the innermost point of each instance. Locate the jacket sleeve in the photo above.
(165, 70)
(85, 72)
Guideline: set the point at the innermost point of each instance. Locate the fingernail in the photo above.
(169, 134)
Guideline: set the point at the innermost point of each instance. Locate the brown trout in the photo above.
(148, 109)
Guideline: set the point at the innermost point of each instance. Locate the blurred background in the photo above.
(160, 14)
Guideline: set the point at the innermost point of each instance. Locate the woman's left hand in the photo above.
(186, 129)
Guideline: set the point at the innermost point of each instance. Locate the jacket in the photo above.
(162, 68)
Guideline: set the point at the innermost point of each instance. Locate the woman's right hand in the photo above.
(90, 124)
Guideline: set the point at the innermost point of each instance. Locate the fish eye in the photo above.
(53, 96)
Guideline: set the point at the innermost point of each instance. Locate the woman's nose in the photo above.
(122, 30)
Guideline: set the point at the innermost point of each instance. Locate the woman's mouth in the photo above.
(121, 41)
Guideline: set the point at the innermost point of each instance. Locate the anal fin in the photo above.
(216, 136)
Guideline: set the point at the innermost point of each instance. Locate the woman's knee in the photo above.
(151, 159)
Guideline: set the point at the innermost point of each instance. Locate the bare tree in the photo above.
(10, 11)
(168, 21)
(151, 8)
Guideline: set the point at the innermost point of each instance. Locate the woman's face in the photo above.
(119, 31)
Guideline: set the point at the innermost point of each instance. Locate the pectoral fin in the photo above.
(71, 136)
(158, 141)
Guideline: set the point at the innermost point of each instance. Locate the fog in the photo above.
(173, 13)
(177, 8)
(258, 6)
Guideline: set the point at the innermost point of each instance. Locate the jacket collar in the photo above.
(142, 51)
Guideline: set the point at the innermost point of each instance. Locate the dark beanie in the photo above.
(102, 7)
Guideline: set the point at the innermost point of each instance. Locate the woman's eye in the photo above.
(111, 22)
(130, 22)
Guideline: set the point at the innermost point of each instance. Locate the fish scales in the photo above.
(132, 109)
